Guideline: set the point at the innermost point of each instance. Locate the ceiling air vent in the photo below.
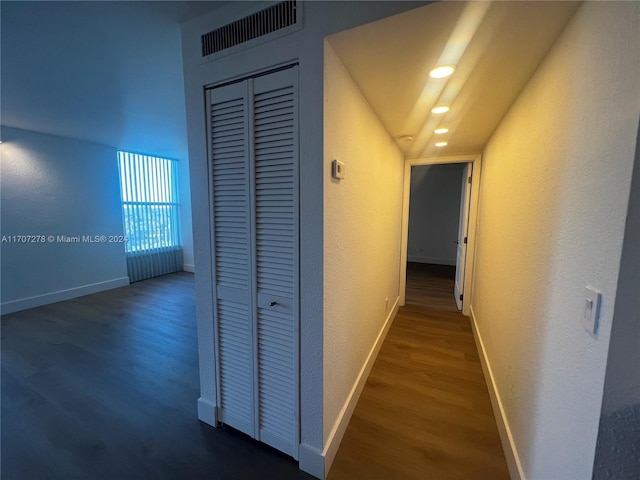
(272, 19)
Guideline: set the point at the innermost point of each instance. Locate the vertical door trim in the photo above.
(212, 249)
(296, 264)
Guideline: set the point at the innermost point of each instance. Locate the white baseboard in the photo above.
(207, 412)
(432, 260)
(508, 445)
(187, 267)
(311, 460)
(61, 295)
(342, 422)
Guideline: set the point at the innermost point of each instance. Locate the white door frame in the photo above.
(475, 161)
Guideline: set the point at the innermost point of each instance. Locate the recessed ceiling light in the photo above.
(440, 109)
(442, 71)
(440, 131)
(441, 144)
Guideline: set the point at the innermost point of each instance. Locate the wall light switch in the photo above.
(337, 169)
(591, 313)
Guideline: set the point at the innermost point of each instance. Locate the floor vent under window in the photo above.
(272, 19)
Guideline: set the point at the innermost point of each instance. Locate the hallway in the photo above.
(425, 410)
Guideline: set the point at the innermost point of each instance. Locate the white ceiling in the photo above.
(496, 47)
(111, 72)
(105, 72)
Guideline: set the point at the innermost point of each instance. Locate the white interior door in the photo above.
(463, 228)
(254, 171)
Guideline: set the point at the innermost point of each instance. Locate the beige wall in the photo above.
(553, 201)
(362, 216)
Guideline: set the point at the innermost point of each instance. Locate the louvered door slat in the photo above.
(275, 156)
(275, 126)
(279, 276)
(278, 254)
(273, 113)
(231, 213)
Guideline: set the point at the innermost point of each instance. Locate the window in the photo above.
(149, 202)
(150, 205)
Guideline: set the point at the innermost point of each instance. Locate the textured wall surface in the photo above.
(434, 210)
(56, 186)
(618, 447)
(554, 197)
(362, 216)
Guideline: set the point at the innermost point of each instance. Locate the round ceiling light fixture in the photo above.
(443, 71)
(440, 131)
(440, 109)
(441, 144)
(406, 138)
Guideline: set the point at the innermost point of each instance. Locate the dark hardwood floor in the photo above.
(425, 411)
(105, 387)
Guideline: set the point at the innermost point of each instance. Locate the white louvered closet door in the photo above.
(275, 134)
(230, 174)
(255, 233)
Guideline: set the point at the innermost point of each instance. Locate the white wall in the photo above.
(55, 186)
(554, 195)
(362, 225)
(434, 213)
(104, 72)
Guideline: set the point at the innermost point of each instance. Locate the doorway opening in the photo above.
(446, 239)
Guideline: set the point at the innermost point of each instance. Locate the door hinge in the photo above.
(469, 179)
(461, 297)
(465, 240)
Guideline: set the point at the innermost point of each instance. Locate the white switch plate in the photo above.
(591, 312)
(337, 169)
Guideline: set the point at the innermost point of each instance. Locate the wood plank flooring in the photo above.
(425, 411)
(104, 387)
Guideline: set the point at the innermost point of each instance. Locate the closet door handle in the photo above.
(272, 304)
